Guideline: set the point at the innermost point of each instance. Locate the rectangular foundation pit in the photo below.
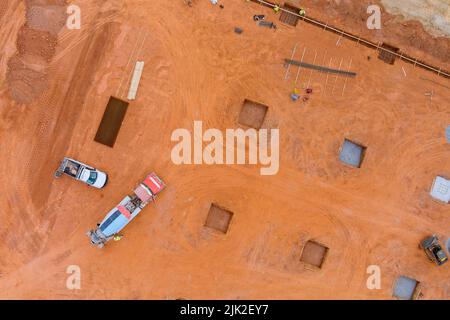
(387, 56)
(288, 18)
(111, 122)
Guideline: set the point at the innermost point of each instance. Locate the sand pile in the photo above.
(36, 45)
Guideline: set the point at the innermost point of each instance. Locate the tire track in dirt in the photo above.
(50, 114)
(57, 118)
(27, 65)
(4, 7)
(346, 258)
(27, 74)
(67, 115)
(167, 246)
(85, 35)
(261, 255)
(9, 32)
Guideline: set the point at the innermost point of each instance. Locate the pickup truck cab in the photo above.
(82, 172)
(130, 206)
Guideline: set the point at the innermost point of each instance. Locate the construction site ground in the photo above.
(53, 94)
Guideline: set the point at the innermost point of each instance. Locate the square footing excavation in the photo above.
(440, 189)
(387, 56)
(111, 122)
(253, 114)
(314, 254)
(218, 218)
(352, 153)
(288, 18)
(406, 288)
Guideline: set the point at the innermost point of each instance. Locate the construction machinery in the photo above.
(82, 172)
(126, 211)
(434, 250)
(267, 24)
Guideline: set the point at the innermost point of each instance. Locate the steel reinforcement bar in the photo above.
(325, 26)
(320, 68)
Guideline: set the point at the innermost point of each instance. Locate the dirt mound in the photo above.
(36, 46)
(35, 42)
(25, 80)
(2, 8)
(46, 18)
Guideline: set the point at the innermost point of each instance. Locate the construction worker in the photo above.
(302, 12)
(276, 9)
(294, 95)
(118, 237)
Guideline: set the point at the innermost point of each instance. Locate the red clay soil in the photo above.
(36, 45)
(408, 35)
(198, 68)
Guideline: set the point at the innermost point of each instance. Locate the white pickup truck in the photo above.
(82, 172)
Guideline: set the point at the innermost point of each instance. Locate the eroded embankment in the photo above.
(36, 45)
(434, 15)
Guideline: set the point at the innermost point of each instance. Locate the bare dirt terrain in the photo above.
(55, 84)
(433, 14)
